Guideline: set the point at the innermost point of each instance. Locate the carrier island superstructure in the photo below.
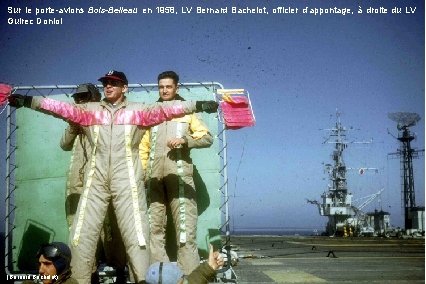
(336, 203)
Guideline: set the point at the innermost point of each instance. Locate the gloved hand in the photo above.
(75, 128)
(18, 101)
(206, 106)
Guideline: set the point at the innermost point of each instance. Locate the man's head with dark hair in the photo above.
(168, 86)
(168, 74)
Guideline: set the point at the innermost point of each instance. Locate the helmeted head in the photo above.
(163, 273)
(86, 93)
(54, 260)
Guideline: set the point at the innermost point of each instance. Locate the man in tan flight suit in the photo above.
(165, 153)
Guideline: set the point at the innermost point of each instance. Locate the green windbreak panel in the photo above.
(40, 179)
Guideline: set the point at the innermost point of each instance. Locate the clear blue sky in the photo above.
(299, 68)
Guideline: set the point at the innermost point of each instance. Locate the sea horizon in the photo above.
(276, 231)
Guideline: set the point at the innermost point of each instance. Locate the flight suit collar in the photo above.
(106, 104)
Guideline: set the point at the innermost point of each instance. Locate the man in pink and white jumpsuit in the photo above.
(114, 128)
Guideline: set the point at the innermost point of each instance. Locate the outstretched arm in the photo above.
(156, 113)
(147, 116)
(66, 111)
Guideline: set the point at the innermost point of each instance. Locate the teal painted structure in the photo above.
(40, 176)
